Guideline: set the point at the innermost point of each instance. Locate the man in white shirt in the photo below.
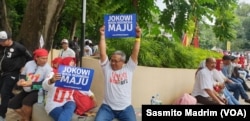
(66, 51)
(87, 49)
(203, 87)
(118, 81)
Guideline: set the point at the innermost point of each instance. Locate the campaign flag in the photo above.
(196, 42)
(228, 46)
(185, 40)
(41, 41)
(75, 77)
(120, 25)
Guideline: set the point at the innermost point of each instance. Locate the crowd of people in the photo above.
(33, 73)
(221, 81)
(217, 81)
(73, 49)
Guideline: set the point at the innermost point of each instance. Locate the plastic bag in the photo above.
(83, 102)
(185, 99)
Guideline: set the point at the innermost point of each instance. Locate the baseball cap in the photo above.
(3, 36)
(65, 41)
(226, 57)
(88, 40)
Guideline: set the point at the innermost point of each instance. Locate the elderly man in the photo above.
(203, 89)
(118, 81)
(66, 51)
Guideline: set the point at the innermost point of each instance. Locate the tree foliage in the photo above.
(178, 14)
(162, 30)
(242, 41)
(15, 12)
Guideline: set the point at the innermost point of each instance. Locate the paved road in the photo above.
(241, 100)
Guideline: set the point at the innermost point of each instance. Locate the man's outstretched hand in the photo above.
(102, 30)
(138, 31)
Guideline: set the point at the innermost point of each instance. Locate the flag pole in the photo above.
(83, 30)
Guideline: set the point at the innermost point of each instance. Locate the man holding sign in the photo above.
(118, 81)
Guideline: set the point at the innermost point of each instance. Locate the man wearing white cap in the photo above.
(66, 51)
(87, 48)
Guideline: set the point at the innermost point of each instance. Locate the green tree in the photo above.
(70, 22)
(12, 12)
(242, 40)
(178, 14)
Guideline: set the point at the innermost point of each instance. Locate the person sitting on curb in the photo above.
(32, 75)
(118, 81)
(55, 63)
(233, 86)
(203, 89)
(60, 104)
(228, 69)
(220, 81)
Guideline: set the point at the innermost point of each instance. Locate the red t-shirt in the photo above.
(242, 61)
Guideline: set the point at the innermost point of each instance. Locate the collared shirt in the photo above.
(203, 80)
(227, 70)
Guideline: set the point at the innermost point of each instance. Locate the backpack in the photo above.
(185, 99)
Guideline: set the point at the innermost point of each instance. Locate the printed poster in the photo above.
(75, 77)
(120, 25)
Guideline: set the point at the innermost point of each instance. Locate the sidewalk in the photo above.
(248, 93)
(12, 116)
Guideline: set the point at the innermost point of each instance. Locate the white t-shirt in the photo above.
(118, 84)
(67, 53)
(87, 51)
(203, 80)
(35, 73)
(219, 76)
(95, 48)
(58, 96)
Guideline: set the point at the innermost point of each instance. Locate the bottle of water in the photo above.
(45, 97)
(40, 96)
(157, 98)
(152, 101)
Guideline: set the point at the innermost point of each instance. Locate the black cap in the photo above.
(226, 57)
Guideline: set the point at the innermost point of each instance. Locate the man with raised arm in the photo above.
(118, 81)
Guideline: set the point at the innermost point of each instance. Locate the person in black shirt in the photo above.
(76, 47)
(14, 58)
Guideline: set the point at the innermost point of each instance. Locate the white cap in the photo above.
(65, 41)
(3, 36)
(88, 40)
